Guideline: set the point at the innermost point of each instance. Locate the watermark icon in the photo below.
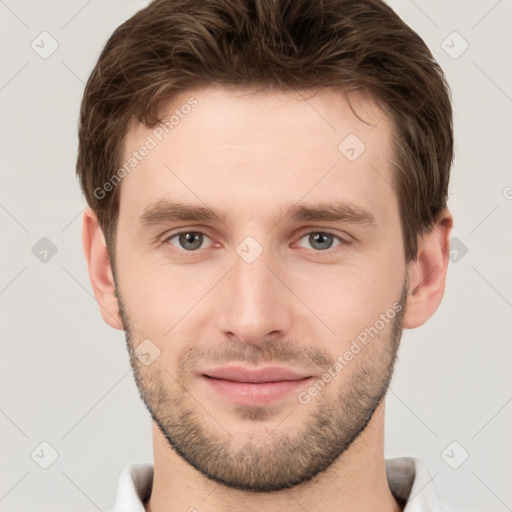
(458, 249)
(454, 45)
(507, 193)
(351, 147)
(147, 352)
(157, 135)
(44, 455)
(44, 45)
(249, 249)
(455, 455)
(44, 250)
(342, 360)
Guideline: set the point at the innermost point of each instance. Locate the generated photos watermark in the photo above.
(157, 135)
(342, 360)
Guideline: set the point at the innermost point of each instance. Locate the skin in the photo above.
(252, 156)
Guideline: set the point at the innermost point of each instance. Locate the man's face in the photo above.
(251, 312)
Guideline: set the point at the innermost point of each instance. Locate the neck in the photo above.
(356, 481)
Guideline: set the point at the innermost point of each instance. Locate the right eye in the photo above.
(190, 241)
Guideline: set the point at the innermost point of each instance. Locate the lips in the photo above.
(241, 374)
(249, 386)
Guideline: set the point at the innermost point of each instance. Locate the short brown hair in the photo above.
(175, 45)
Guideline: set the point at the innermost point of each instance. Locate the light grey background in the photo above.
(65, 375)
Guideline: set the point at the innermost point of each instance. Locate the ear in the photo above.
(427, 275)
(100, 272)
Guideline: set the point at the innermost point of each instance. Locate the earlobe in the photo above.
(427, 275)
(100, 271)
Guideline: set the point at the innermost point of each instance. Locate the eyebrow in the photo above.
(332, 212)
(164, 211)
(171, 211)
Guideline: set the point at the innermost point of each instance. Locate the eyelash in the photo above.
(342, 241)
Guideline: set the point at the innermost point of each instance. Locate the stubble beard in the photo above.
(284, 458)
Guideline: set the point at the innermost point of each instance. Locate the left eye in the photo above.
(320, 240)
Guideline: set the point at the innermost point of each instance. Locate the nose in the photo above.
(254, 304)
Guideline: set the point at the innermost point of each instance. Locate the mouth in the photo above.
(249, 386)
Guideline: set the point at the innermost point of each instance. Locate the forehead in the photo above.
(251, 151)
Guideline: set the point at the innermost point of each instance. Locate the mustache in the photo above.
(270, 351)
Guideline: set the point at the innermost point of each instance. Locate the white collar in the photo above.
(408, 479)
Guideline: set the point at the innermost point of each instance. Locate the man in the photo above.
(267, 185)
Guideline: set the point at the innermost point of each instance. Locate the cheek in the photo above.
(144, 292)
(352, 311)
(350, 300)
(166, 302)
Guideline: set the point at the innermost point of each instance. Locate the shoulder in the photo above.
(134, 487)
(411, 484)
